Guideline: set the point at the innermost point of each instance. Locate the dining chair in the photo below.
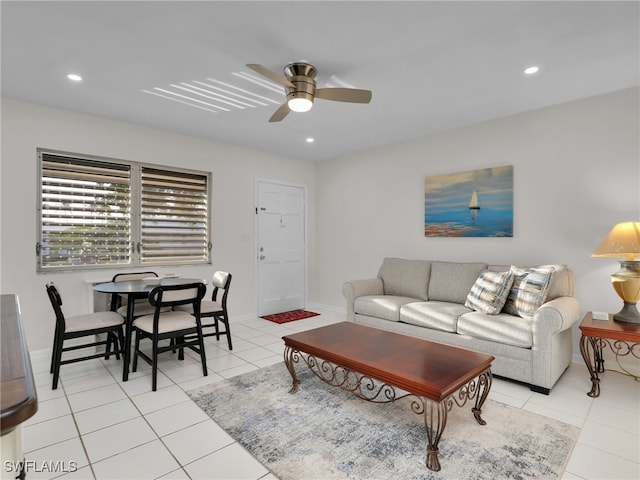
(216, 308)
(181, 328)
(141, 306)
(90, 324)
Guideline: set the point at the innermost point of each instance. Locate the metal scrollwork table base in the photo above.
(623, 339)
(343, 355)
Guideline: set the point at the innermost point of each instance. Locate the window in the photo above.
(174, 217)
(102, 212)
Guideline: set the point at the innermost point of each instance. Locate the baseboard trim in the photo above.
(40, 354)
(331, 308)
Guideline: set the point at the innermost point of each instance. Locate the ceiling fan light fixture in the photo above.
(300, 87)
(300, 104)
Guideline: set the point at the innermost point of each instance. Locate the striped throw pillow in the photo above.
(489, 292)
(529, 290)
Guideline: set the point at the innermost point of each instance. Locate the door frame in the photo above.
(256, 246)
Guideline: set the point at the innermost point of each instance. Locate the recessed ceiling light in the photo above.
(310, 140)
(74, 77)
(531, 70)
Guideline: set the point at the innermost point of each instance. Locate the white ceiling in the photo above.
(432, 66)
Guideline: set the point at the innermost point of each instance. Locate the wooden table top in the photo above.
(610, 329)
(421, 367)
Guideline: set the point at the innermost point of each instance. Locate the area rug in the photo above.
(291, 316)
(322, 432)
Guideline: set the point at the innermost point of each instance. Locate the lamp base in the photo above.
(628, 314)
(626, 283)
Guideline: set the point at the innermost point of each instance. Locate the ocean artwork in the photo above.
(478, 203)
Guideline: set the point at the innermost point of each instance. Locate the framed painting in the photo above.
(477, 203)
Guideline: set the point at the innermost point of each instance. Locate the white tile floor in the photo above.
(111, 429)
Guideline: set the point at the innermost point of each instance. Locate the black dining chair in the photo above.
(90, 324)
(214, 311)
(181, 328)
(141, 306)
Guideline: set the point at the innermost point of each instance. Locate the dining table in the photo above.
(136, 289)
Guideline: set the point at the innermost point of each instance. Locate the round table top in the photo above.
(140, 286)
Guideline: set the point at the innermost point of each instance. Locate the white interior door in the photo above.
(281, 247)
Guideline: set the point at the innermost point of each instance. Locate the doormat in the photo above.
(291, 316)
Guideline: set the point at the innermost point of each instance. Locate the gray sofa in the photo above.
(427, 299)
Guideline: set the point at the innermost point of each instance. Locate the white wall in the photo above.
(576, 174)
(26, 127)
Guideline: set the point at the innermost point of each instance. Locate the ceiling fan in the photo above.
(300, 87)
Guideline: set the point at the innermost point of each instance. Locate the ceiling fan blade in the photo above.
(280, 113)
(353, 95)
(271, 75)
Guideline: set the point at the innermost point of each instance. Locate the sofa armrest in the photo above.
(359, 288)
(555, 316)
(552, 340)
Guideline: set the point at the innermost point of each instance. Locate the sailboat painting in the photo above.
(477, 203)
(473, 203)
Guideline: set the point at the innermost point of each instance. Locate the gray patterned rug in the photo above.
(322, 432)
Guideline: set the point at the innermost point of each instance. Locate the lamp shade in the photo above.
(623, 241)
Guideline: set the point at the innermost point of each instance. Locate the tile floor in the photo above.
(98, 427)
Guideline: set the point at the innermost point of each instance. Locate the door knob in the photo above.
(262, 257)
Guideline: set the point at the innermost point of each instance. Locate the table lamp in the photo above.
(623, 241)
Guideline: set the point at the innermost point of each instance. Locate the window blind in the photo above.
(174, 217)
(85, 212)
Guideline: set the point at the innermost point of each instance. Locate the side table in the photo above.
(622, 338)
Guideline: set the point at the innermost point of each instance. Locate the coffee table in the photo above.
(381, 366)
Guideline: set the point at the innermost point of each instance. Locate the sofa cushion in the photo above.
(499, 268)
(529, 289)
(381, 306)
(561, 283)
(451, 282)
(489, 292)
(502, 328)
(407, 278)
(436, 315)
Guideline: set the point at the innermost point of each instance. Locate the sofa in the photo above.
(523, 316)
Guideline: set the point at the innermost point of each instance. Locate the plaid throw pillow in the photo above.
(489, 292)
(529, 290)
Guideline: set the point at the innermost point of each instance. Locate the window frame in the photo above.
(135, 216)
